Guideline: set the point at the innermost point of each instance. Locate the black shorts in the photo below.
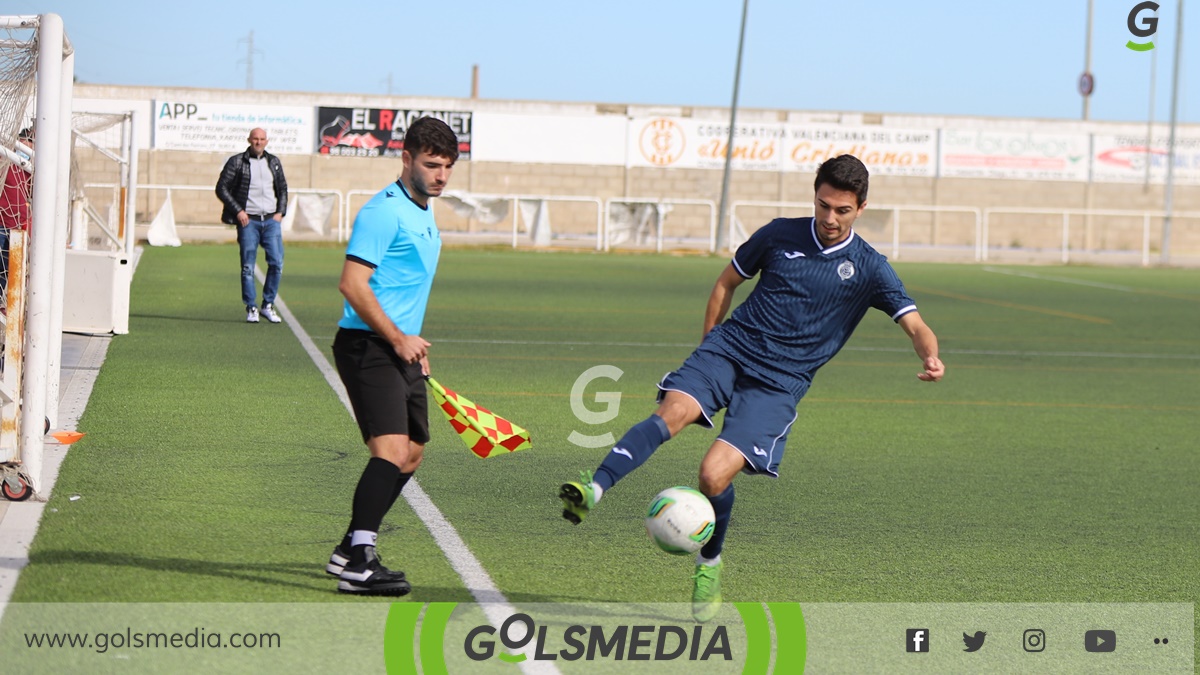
(388, 395)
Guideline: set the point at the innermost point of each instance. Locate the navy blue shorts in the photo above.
(758, 414)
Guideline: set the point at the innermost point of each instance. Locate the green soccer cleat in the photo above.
(706, 595)
(578, 498)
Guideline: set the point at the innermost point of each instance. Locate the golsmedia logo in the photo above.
(1142, 26)
(630, 643)
(423, 638)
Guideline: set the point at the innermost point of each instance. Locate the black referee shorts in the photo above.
(388, 395)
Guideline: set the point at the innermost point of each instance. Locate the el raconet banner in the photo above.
(379, 132)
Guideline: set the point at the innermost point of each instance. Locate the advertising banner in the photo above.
(685, 143)
(885, 151)
(672, 142)
(1020, 155)
(221, 127)
(379, 132)
(1123, 158)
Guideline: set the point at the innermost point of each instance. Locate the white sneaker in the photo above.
(268, 310)
(251, 314)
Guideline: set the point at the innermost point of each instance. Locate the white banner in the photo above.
(549, 139)
(220, 127)
(1122, 158)
(975, 153)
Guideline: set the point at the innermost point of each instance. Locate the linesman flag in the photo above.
(485, 433)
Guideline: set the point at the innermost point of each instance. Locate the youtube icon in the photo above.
(1100, 640)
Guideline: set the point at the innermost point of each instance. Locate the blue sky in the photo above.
(1019, 58)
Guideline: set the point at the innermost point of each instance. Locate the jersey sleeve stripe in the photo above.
(738, 268)
(902, 312)
(360, 261)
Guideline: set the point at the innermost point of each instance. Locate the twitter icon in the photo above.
(974, 642)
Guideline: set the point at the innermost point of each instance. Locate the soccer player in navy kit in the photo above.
(381, 357)
(817, 279)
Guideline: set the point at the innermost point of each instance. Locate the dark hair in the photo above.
(26, 134)
(844, 172)
(429, 134)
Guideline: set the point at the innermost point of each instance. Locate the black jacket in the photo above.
(233, 187)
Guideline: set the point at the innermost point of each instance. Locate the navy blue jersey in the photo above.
(807, 302)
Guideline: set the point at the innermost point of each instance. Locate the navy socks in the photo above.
(634, 448)
(722, 506)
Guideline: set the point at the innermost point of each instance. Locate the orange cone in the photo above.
(67, 437)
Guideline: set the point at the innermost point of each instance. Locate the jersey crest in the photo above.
(846, 270)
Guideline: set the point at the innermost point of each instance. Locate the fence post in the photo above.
(516, 219)
(1145, 240)
(896, 232)
(983, 238)
(1066, 237)
(600, 231)
(978, 235)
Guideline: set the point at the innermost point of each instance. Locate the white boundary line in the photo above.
(1065, 280)
(19, 523)
(479, 584)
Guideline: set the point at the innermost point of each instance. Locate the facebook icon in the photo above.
(916, 640)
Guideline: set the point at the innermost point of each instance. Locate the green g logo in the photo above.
(1146, 28)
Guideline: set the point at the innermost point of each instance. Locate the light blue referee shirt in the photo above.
(807, 302)
(400, 240)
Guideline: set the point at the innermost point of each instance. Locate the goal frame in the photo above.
(24, 418)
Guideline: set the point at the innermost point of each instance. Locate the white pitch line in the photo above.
(1064, 280)
(493, 603)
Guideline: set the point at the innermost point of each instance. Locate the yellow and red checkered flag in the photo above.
(485, 433)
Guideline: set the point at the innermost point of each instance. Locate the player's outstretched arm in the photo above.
(925, 344)
(721, 297)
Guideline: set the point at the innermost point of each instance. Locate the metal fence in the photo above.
(904, 231)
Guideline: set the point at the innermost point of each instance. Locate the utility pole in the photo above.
(1150, 119)
(723, 225)
(249, 60)
(1086, 81)
(1170, 191)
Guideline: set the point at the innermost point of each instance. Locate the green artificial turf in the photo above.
(1054, 463)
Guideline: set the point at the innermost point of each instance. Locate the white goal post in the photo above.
(44, 105)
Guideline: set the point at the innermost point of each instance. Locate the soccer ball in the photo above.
(680, 520)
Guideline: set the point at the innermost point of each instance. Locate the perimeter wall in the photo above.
(936, 174)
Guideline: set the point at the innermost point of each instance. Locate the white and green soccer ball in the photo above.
(680, 520)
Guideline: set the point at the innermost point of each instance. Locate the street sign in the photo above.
(1087, 84)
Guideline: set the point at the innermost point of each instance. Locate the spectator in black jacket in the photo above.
(254, 192)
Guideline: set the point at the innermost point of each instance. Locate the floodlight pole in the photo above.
(1087, 59)
(1170, 190)
(1150, 117)
(722, 216)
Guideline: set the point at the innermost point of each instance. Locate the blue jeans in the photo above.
(267, 234)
